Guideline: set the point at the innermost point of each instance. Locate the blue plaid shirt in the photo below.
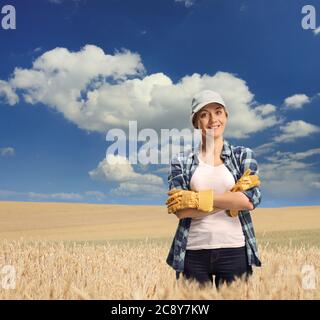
(237, 159)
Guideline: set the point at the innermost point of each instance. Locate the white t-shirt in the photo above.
(216, 230)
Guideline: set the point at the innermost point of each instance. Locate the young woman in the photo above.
(212, 188)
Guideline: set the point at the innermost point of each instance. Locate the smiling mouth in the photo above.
(214, 127)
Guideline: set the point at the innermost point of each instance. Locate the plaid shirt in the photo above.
(237, 159)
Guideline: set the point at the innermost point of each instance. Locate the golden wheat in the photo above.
(69, 270)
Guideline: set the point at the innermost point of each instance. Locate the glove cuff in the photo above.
(206, 198)
(233, 212)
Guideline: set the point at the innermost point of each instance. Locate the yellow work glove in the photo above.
(181, 199)
(245, 182)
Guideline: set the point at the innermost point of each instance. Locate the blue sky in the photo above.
(154, 55)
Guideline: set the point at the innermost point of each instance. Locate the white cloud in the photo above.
(97, 194)
(131, 188)
(292, 158)
(7, 151)
(99, 91)
(8, 193)
(296, 129)
(316, 184)
(264, 148)
(67, 196)
(297, 101)
(265, 109)
(8, 93)
(271, 147)
(285, 175)
(187, 3)
(162, 170)
(36, 195)
(60, 195)
(118, 169)
(305, 154)
(316, 31)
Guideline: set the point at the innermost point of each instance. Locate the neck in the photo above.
(211, 148)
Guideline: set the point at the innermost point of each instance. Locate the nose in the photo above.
(212, 120)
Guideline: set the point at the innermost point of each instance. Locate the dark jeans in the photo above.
(225, 263)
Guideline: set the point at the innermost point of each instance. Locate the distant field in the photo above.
(295, 238)
(96, 222)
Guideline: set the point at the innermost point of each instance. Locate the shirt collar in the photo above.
(226, 150)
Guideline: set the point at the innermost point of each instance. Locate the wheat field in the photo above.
(59, 253)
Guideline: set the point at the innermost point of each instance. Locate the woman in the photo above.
(212, 190)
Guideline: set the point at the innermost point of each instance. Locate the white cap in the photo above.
(203, 98)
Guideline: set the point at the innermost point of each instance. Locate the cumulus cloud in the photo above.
(36, 195)
(7, 151)
(296, 101)
(131, 188)
(316, 31)
(98, 194)
(99, 91)
(7, 93)
(287, 174)
(187, 3)
(265, 109)
(288, 133)
(37, 49)
(264, 148)
(305, 154)
(60, 196)
(316, 184)
(296, 129)
(117, 169)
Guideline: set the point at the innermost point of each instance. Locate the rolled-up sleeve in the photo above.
(248, 161)
(176, 176)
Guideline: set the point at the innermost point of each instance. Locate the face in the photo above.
(212, 116)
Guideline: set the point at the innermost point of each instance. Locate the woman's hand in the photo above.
(247, 181)
(181, 199)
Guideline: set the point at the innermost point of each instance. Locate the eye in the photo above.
(219, 111)
(203, 114)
